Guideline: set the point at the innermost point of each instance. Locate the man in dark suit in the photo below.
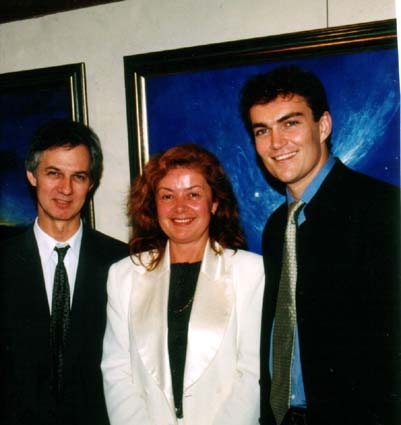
(343, 364)
(52, 311)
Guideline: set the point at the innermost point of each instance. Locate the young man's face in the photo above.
(290, 142)
(62, 184)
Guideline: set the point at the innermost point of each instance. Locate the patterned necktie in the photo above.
(59, 320)
(284, 322)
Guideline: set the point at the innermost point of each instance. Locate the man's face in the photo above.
(290, 142)
(62, 184)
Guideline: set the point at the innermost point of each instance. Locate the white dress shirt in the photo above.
(49, 258)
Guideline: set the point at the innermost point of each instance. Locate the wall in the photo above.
(100, 36)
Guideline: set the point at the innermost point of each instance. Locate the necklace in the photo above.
(183, 280)
(180, 310)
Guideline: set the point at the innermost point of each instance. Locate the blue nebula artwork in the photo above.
(22, 111)
(202, 107)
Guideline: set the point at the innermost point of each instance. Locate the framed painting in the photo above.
(192, 94)
(27, 100)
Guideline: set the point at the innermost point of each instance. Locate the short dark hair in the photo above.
(224, 228)
(283, 80)
(63, 132)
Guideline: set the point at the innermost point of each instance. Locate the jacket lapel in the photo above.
(32, 283)
(210, 315)
(85, 273)
(148, 320)
(86, 295)
(78, 299)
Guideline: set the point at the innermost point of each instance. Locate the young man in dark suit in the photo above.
(52, 306)
(330, 344)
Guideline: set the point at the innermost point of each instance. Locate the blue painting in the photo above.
(202, 107)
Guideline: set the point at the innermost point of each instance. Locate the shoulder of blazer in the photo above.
(345, 188)
(104, 246)
(243, 258)
(273, 233)
(19, 248)
(277, 217)
(21, 275)
(128, 266)
(246, 269)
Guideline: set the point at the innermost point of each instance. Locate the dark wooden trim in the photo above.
(14, 10)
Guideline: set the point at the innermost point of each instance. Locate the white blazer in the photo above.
(222, 361)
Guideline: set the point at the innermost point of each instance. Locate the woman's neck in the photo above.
(187, 253)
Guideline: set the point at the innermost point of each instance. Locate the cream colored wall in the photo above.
(100, 36)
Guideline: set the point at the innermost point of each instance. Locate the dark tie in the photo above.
(285, 320)
(60, 320)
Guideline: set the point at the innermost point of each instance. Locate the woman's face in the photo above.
(184, 205)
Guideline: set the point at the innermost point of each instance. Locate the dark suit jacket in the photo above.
(25, 394)
(348, 301)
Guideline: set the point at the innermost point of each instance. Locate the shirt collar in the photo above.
(312, 188)
(315, 184)
(46, 243)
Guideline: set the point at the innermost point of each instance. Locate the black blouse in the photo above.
(183, 280)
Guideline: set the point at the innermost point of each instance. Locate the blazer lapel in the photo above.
(82, 280)
(32, 283)
(210, 314)
(148, 320)
(87, 295)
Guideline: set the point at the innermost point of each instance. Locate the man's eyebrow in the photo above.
(54, 168)
(279, 120)
(288, 116)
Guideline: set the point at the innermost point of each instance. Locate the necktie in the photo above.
(60, 320)
(285, 319)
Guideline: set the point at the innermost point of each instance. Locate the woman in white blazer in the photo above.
(182, 338)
